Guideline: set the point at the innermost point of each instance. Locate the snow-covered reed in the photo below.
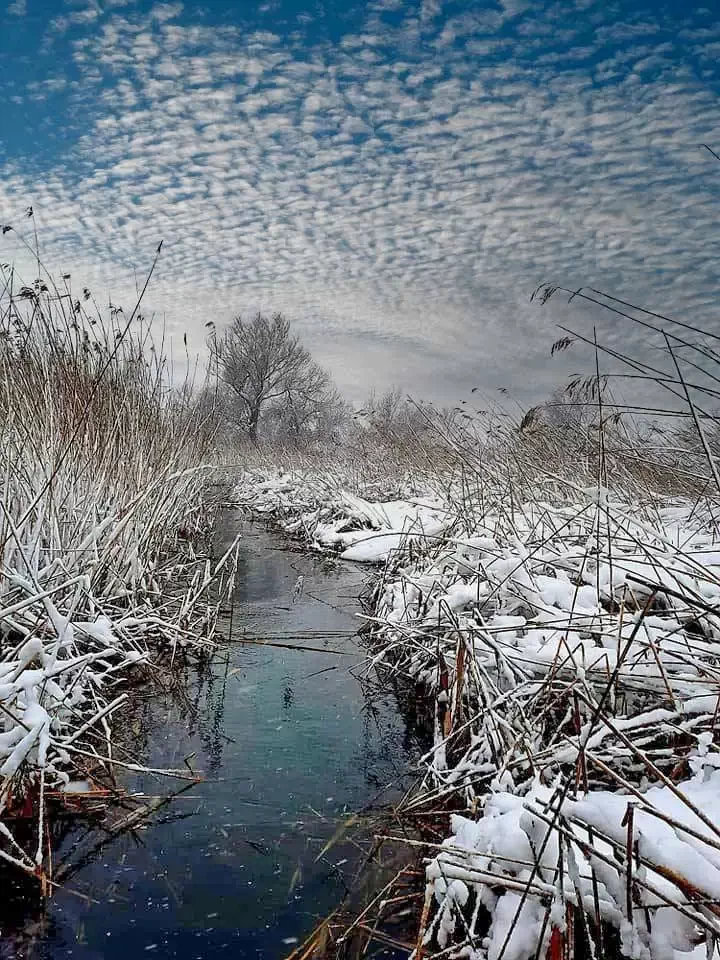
(102, 493)
(568, 628)
(573, 651)
(555, 590)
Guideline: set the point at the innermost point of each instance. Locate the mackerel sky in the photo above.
(395, 176)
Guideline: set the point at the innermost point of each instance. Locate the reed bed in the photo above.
(105, 571)
(563, 623)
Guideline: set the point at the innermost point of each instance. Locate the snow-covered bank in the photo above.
(69, 650)
(332, 518)
(104, 511)
(572, 648)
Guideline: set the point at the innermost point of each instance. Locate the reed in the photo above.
(104, 509)
(564, 627)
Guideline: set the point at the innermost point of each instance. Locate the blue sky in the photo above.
(395, 176)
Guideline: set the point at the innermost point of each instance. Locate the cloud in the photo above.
(18, 8)
(400, 191)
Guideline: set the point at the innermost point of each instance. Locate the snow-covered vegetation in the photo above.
(356, 528)
(553, 586)
(103, 494)
(573, 651)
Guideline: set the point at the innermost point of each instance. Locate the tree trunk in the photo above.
(253, 423)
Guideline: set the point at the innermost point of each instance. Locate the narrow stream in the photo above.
(290, 743)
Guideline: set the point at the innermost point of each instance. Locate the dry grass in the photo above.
(566, 629)
(104, 502)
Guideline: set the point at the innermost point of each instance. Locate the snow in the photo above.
(63, 648)
(583, 691)
(496, 852)
(77, 786)
(360, 530)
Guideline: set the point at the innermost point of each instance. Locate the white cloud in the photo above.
(18, 8)
(396, 208)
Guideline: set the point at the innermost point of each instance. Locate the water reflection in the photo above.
(290, 744)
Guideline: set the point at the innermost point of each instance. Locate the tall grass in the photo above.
(568, 630)
(104, 464)
(565, 630)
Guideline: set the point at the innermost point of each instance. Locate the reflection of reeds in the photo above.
(378, 912)
(103, 494)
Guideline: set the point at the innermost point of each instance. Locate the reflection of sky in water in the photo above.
(289, 748)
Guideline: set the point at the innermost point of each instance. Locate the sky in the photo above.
(397, 176)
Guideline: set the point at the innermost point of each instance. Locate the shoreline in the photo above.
(82, 656)
(558, 661)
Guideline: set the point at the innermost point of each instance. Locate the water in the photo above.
(290, 743)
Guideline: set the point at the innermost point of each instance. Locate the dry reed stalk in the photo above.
(104, 465)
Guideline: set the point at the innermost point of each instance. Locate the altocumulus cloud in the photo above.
(398, 180)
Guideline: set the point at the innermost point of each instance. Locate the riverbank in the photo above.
(569, 646)
(105, 533)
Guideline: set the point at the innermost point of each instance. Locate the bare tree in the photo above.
(310, 409)
(313, 408)
(263, 364)
(393, 415)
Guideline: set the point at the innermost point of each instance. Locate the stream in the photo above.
(290, 743)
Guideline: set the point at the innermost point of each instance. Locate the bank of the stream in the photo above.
(567, 640)
(291, 744)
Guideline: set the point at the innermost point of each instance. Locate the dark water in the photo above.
(290, 743)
